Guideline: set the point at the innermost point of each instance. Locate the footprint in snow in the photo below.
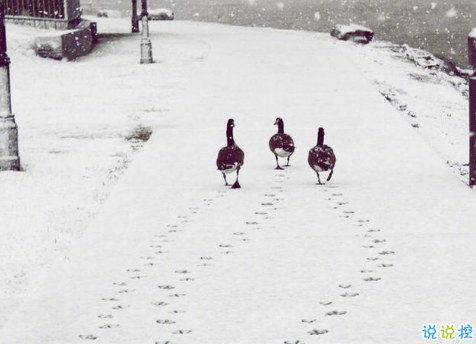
(160, 304)
(267, 203)
(293, 342)
(385, 265)
(252, 223)
(121, 284)
(225, 245)
(139, 277)
(177, 312)
(261, 213)
(165, 322)
(182, 272)
(239, 233)
(187, 279)
(383, 253)
(349, 294)
(167, 287)
(373, 230)
(164, 342)
(336, 313)
(372, 258)
(345, 286)
(109, 299)
(119, 307)
(372, 279)
(126, 291)
(177, 295)
(206, 258)
(305, 321)
(317, 332)
(366, 271)
(88, 336)
(105, 316)
(109, 326)
(228, 252)
(379, 241)
(326, 303)
(182, 332)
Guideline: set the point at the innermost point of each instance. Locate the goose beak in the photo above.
(275, 123)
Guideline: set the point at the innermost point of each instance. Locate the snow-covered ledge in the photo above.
(68, 44)
(352, 32)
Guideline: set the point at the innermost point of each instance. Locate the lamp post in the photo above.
(135, 18)
(9, 158)
(145, 44)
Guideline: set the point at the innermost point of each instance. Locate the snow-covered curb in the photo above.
(431, 94)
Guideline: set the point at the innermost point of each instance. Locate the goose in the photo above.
(281, 144)
(231, 157)
(321, 157)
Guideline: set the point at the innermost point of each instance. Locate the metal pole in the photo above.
(9, 158)
(472, 131)
(135, 18)
(145, 44)
(472, 49)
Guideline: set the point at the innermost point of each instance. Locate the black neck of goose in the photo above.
(320, 137)
(229, 136)
(280, 127)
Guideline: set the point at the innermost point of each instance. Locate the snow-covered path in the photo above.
(175, 256)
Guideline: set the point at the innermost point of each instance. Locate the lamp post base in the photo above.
(146, 51)
(9, 158)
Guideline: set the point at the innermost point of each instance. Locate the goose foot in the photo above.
(236, 185)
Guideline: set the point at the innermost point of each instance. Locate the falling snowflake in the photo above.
(251, 2)
(317, 16)
(382, 17)
(433, 5)
(280, 5)
(451, 13)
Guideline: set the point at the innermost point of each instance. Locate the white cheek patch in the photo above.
(230, 170)
(317, 168)
(282, 153)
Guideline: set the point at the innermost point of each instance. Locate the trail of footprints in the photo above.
(377, 253)
(118, 303)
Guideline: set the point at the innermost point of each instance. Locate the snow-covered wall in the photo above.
(69, 44)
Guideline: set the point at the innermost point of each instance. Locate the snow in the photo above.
(167, 253)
